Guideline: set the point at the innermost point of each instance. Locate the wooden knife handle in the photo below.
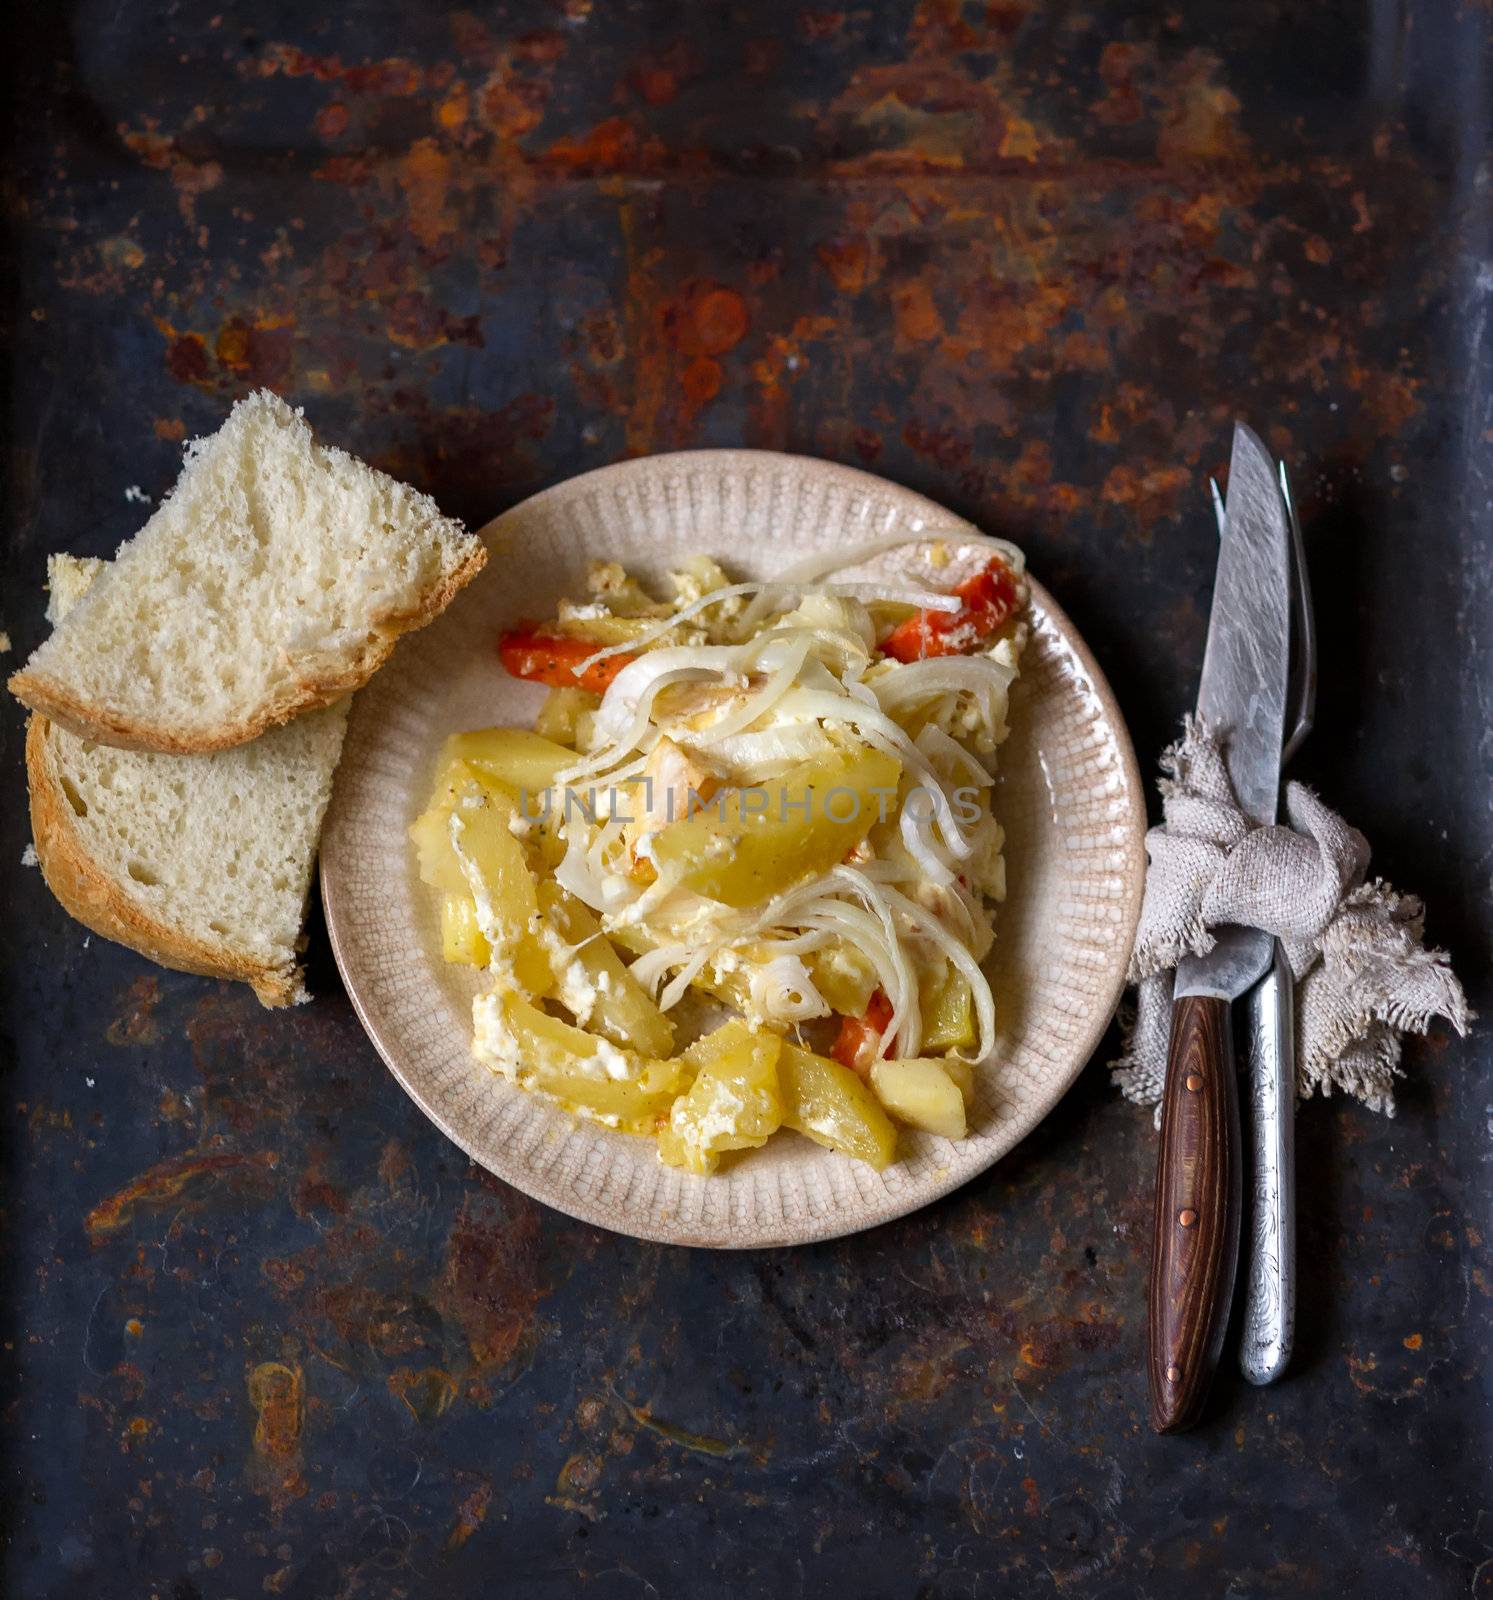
(1195, 1248)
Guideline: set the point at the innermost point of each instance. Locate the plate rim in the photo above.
(942, 520)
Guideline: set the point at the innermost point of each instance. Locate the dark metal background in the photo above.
(266, 1332)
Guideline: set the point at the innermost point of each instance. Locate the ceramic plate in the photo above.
(1068, 795)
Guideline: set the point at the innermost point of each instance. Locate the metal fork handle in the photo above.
(1270, 1279)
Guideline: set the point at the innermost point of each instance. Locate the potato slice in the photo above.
(560, 716)
(750, 844)
(489, 871)
(514, 757)
(948, 1010)
(921, 1093)
(733, 1104)
(831, 1106)
(963, 1073)
(844, 976)
(589, 1076)
(591, 980)
(462, 941)
(430, 833)
(605, 629)
(465, 849)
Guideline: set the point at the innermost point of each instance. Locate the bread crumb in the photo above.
(4, 643)
(137, 494)
(28, 856)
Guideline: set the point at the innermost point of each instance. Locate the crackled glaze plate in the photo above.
(1068, 794)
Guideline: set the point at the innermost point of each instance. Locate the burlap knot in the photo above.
(1363, 977)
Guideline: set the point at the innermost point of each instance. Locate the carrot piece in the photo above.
(989, 598)
(856, 1043)
(556, 659)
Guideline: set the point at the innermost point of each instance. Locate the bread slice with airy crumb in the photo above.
(202, 863)
(275, 578)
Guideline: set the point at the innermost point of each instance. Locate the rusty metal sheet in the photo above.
(266, 1332)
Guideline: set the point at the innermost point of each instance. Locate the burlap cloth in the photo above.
(1363, 977)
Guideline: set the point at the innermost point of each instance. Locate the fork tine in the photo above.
(1304, 642)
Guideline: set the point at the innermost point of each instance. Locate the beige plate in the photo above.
(1069, 796)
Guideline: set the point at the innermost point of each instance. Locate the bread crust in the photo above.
(89, 893)
(54, 702)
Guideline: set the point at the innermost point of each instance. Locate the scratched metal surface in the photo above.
(264, 1331)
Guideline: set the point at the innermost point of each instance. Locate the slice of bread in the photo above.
(276, 577)
(202, 863)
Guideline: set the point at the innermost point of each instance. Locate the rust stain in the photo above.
(470, 1515)
(1121, 103)
(1150, 493)
(512, 101)
(1391, 399)
(332, 120)
(611, 144)
(136, 1023)
(658, 77)
(190, 177)
(260, 352)
(646, 356)
(1200, 122)
(704, 319)
(777, 369)
(277, 1394)
(186, 357)
(579, 1474)
(850, 262)
(490, 1282)
(426, 1394)
(168, 1180)
(453, 111)
(395, 76)
(425, 178)
(700, 1443)
(914, 314)
(701, 381)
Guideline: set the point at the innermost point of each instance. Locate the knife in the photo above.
(1242, 694)
(1269, 1329)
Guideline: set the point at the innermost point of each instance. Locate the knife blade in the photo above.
(1242, 694)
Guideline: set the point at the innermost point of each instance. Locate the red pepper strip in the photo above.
(856, 1043)
(555, 658)
(989, 598)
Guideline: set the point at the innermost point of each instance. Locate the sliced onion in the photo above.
(650, 967)
(760, 753)
(684, 614)
(939, 746)
(916, 831)
(925, 922)
(812, 568)
(759, 701)
(783, 991)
